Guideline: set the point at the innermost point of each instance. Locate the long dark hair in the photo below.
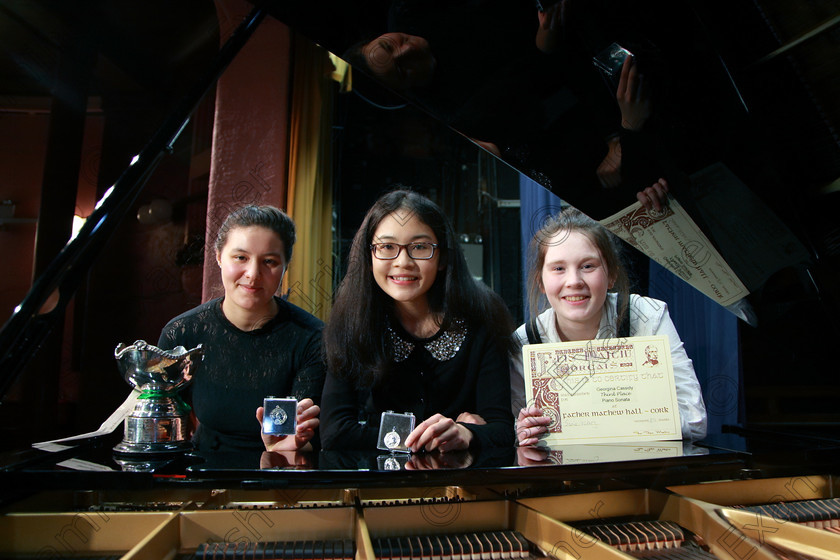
(554, 231)
(356, 339)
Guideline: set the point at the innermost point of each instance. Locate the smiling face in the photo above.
(400, 60)
(252, 263)
(405, 280)
(575, 280)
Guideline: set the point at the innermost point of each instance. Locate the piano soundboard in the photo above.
(443, 523)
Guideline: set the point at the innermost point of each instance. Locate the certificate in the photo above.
(671, 238)
(604, 391)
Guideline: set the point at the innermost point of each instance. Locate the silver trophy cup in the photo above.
(159, 422)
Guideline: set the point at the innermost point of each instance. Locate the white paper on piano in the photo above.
(108, 426)
(604, 391)
(82, 465)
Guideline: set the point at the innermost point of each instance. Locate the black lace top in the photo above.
(454, 371)
(282, 358)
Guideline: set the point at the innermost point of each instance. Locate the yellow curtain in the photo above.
(309, 203)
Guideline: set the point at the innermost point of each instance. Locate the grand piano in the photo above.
(505, 127)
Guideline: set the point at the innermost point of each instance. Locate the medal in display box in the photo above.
(393, 429)
(279, 416)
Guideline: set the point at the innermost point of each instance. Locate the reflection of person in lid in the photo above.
(443, 53)
(400, 60)
(475, 65)
(652, 356)
(628, 160)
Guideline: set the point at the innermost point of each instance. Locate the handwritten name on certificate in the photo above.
(604, 391)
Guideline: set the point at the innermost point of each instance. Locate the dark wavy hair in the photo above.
(554, 231)
(356, 339)
(268, 217)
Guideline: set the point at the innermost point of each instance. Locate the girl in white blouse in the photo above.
(576, 269)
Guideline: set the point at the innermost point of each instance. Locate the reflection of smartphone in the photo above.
(610, 60)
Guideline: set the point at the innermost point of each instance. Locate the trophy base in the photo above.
(154, 435)
(153, 448)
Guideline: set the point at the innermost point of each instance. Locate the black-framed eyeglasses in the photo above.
(417, 251)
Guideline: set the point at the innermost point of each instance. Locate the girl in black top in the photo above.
(412, 331)
(255, 344)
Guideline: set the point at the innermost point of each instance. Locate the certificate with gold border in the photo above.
(604, 391)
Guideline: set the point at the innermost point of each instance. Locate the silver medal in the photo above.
(278, 416)
(392, 439)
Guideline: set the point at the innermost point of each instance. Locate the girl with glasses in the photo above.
(412, 331)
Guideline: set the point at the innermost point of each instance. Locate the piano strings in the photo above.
(334, 549)
(819, 513)
(489, 545)
(651, 539)
(410, 501)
